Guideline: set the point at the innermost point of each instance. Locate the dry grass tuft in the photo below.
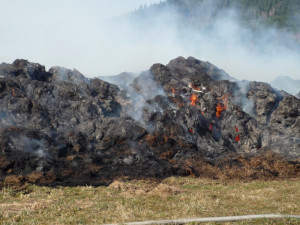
(117, 185)
(165, 190)
(34, 177)
(14, 180)
(264, 166)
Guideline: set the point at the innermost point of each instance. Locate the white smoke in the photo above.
(30, 145)
(241, 97)
(143, 89)
(78, 34)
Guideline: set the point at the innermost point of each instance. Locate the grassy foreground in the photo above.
(144, 200)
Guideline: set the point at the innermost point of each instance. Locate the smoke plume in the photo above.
(82, 35)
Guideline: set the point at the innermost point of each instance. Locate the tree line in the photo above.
(283, 14)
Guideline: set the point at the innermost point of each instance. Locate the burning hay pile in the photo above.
(185, 118)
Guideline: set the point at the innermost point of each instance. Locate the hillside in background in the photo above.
(283, 14)
(287, 84)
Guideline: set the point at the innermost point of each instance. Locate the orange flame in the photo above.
(220, 107)
(237, 129)
(173, 90)
(193, 99)
(237, 137)
(195, 87)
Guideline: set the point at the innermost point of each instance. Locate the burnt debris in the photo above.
(185, 118)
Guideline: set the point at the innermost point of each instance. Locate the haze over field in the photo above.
(96, 38)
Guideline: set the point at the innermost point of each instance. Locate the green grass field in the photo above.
(172, 198)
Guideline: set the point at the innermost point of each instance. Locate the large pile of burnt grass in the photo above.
(185, 118)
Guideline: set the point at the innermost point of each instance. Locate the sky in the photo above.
(93, 37)
(67, 33)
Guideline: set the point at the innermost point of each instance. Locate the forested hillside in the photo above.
(283, 14)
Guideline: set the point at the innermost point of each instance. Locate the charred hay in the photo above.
(184, 118)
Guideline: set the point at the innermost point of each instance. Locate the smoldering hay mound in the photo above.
(185, 118)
